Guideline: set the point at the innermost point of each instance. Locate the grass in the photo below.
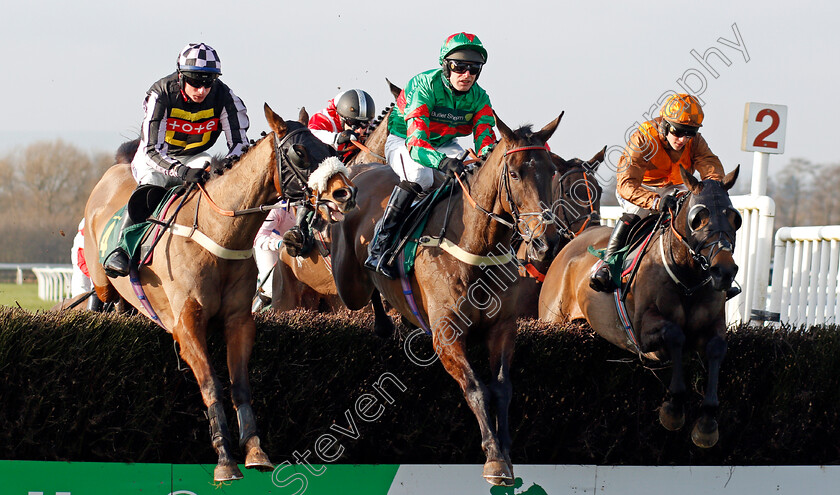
(26, 295)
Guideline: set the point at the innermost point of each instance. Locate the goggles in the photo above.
(202, 81)
(682, 131)
(459, 67)
(356, 123)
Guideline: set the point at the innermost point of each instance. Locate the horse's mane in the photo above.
(379, 118)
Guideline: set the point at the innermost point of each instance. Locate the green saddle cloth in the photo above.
(134, 235)
(410, 249)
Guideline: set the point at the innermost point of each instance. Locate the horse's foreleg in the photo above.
(500, 346)
(383, 326)
(454, 360)
(240, 333)
(672, 412)
(705, 432)
(190, 333)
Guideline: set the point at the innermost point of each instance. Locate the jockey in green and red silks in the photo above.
(436, 107)
(430, 113)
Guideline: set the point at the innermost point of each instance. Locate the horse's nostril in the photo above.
(342, 194)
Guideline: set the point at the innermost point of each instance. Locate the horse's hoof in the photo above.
(705, 432)
(498, 473)
(255, 457)
(672, 417)
(383, 329)
(227, 472)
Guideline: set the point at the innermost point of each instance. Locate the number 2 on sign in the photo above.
(774, 124)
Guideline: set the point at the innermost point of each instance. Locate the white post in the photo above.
(761, 163)
(19, 276)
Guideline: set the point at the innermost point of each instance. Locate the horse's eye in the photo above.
(514, 174)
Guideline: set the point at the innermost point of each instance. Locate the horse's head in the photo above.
(524, 170)
(309, 169)
(707, 222)
(577, 195)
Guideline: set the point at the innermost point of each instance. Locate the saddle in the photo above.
(147, 203)
(625, 259)
(408, 238)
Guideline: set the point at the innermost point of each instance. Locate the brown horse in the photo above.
(675, 301)
(307, 281)
(205, 281)
(576, 206)
(464, 282)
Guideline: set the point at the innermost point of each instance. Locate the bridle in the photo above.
(565, 225)
(715, 241)
(521, 220)
(282, 158)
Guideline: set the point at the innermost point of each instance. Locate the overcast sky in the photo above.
(79, 70)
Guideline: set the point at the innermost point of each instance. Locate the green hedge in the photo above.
(85, 387)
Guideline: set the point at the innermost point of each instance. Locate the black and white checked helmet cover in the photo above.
(198, 57)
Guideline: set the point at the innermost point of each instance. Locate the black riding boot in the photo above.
(117, 263)
(379, 250)
(601, 280)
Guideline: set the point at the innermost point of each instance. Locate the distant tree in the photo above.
(791, 190)
(825, 200)
(43, 191)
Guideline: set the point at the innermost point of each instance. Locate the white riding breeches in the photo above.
(146, 173)
(629, 207)
(398, 157)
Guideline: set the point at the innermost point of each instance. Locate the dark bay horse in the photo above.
(675, 301)
(307, 281)
(576, 204)
(205, 280)
(465, 282)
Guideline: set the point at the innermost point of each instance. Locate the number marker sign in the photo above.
(764, 128)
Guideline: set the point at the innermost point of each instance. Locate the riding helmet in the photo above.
(199, 59)
(463, 46)
(355, 104)
(682, 110)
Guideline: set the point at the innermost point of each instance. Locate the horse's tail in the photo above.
(125, 153)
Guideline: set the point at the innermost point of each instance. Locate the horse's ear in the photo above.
(275, 122)
(597, 159)
(395, 90)
(546, 132)
(691, 182)
(560, 165)
(507, 134)
(731, 177)
(303, 116)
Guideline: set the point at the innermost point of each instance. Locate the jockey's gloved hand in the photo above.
(451, 166)
(192, 175)
(667, 203)
(487, 151)
(346, 136)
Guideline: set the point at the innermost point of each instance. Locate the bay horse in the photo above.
(191, 289)
(307, 281)
(454, 299)
(576, 205)
(675, 301)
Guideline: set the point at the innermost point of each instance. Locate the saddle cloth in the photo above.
(136, 238)
(621, 263)
(412, 229)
